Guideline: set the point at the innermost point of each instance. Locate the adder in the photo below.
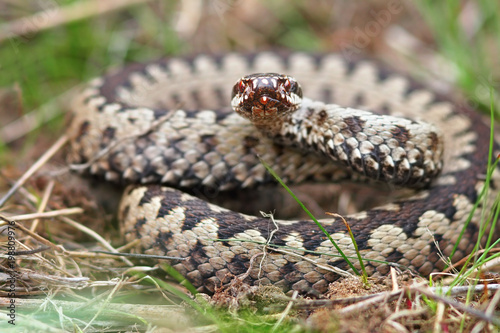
(168, 128)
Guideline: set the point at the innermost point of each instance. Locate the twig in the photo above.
(491, 264)
(33, 251)
(397, 326)
(141, 269)
(462, 290)
(41, 161)
(32, 199)
(87, 254)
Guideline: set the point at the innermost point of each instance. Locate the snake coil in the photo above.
(167, 127)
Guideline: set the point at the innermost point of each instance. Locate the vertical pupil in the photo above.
(287, 84)
(241, 86)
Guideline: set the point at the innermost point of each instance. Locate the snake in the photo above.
(167, 129)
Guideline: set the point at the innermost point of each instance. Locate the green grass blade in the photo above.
(356, 249)
(271, 171)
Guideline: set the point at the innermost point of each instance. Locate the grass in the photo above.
(469, 47)
(37, 66)
(304, 208)
(489, 218)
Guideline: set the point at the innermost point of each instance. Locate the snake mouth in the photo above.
(266, 107)
(261, 114)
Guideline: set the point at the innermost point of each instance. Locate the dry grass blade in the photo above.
(403, 313)
(439, 317)
(43, 203)
(460, 306)
(380, 298)
(489, 311)
(286, 311)
(104, 305)
(48, 215)
(326, 267)
(390, 296)
(70, 281)
(36, 166)
(96, 236)
(34, 235)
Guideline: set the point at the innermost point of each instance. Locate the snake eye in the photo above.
(241, 86)
(287, 84)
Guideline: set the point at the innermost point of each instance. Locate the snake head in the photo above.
(263, 97)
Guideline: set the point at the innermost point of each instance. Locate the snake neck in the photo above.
(283, 128)
(377, 147)
(294, 128)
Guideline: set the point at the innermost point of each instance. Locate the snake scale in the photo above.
(168, 127)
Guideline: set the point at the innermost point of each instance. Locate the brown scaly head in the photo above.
(264, 97)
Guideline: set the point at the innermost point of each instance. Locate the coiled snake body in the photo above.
(169, 124)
